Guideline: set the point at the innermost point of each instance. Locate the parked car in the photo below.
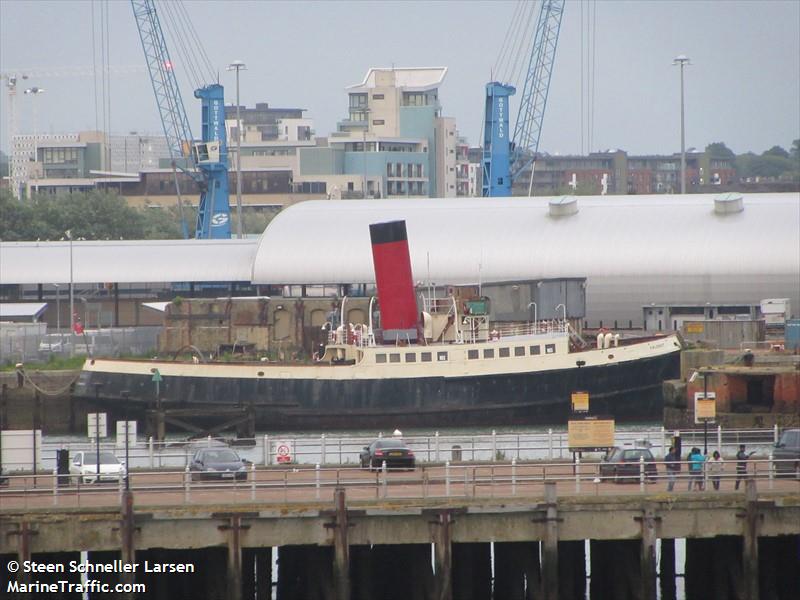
(787, 453)
(218, 463)
(622, 464)
(83, 467)
(393, 452)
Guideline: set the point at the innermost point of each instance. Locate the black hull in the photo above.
(627, 391)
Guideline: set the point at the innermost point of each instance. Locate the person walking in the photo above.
(741, 464)
(715, 467)
(673, 465)
(696, 462)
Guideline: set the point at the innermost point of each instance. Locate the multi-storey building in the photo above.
(615, 172)
(393, 143)
(77, 161)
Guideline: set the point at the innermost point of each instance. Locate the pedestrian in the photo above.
(741, 464)
(673, 464)
(715, 467)
(696, 462)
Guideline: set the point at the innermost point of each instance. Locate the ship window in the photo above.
(425, 357)
(411, 357)
(394, 357)
(505, 352)
(536, 350)
(519, 351)
(488, 353)
(472, 354)
(380, 358)
(441, 356)
(549, 348)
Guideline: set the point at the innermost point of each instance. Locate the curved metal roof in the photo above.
(633, 250)
(126, 261)
(496, 239)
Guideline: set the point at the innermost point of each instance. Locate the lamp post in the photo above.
(237, 66)
(68, 233)
(35, 91)
(682, 60)
(58, 315)
(533, 304)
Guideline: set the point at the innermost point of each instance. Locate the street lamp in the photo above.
(533, 304)
(68, 233)
(58, 309)
(237, 66)
(35, 91)
(682, 60)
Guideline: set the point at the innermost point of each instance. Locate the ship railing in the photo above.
(547, 327)
(288, 484)
(436, 447)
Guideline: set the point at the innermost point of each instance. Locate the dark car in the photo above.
(218, 463)
(393, 452)
(787, 453)
(622, 464)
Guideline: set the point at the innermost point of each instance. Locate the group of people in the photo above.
(700, 465)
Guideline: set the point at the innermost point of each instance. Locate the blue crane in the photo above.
(504, 157)
(205, 161)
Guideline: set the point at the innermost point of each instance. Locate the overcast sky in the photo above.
(743, 87)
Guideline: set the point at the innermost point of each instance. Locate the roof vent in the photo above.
(729, 203)
(563, 206)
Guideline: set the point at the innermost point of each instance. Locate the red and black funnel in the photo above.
(399, 316)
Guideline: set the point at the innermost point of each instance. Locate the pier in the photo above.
(429, 534)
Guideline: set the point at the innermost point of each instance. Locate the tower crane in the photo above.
(206, 162)
(505, 158)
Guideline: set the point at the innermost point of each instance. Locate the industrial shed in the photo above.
(633, 250)
(126, 261)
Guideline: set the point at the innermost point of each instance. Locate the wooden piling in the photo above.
(750, 546)
(341, 549)
(550, 588)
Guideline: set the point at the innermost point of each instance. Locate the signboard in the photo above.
(283, 451)
(580, 402)
(20, 450)
(96, 425)
(705, 408)
(592, 433)
(121, 433)
(694, 327)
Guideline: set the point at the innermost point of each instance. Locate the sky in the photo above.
(742, 87)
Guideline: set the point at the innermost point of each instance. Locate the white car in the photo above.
(83, 467)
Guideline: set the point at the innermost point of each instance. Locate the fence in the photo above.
(34, 343)
(286, 485)
(436, 448)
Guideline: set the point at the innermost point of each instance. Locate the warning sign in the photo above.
(590, 434)
(705, 407)
(580, 402)
(283, 451)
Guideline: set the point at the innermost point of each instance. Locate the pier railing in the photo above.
(304, 485)
(344, 450)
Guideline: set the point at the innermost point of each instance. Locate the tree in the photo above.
(91, 215)
(4, 165)
(776, 151)
(795, 151)
(719, 150)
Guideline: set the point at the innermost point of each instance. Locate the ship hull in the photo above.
(629, 391)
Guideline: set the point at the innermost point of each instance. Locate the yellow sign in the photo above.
(694, 328)
(705, 408)
(580, 401)
(590, 433)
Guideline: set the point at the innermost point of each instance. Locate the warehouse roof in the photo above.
(126, 261)
(466, 240)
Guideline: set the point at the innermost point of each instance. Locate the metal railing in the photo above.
(491, 447)
(501, 480)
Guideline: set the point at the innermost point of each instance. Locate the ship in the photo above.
(433, 362)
